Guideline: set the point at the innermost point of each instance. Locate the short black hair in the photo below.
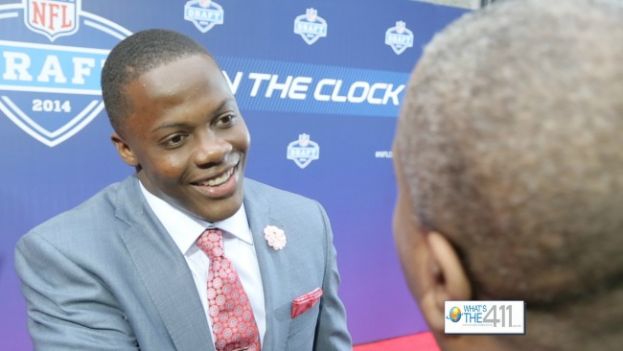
(510, 142)
(135, 55)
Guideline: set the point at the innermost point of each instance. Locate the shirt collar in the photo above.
(185, 229)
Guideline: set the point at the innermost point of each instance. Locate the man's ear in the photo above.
(124, 150)
(445, 279)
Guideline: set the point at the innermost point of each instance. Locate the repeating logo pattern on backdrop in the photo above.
(303, 151)
(204, 14)
(310, 26)
(399, 37)
(52, 91)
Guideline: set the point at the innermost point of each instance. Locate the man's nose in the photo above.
(211, 149)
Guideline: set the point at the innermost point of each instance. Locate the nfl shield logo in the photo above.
(52, 18)
(204, 14)
(399, 37)
(310, 26)
(303, 151)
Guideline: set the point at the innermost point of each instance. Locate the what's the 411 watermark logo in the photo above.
(485, 317)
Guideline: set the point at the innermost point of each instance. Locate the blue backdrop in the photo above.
(319, 83)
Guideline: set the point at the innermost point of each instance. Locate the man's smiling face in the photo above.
(186, 137)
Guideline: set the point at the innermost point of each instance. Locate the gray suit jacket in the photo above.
(106, 276)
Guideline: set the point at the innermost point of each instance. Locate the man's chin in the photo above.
(220, 209)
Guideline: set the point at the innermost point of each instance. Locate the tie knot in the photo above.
(211, 242)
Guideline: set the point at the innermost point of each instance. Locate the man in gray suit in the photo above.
(123, 271)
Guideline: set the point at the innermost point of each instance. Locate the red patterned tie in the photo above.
(233, 324)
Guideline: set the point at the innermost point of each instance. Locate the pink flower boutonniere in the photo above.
(275, 237)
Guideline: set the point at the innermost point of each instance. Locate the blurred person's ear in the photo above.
(443, 278)
(430, 263)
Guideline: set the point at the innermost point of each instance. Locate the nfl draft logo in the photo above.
(303, 151)
(310, 26)
(204, 14)
(52, 91)
(399, 37)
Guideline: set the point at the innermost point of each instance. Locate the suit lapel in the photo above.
(273, 265)
(163, 271)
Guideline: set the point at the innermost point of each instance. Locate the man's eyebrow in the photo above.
(175, 125)
(230, 101)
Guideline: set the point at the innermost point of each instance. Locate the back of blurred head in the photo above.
(509, 159)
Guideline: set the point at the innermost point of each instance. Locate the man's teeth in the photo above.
(219, 180)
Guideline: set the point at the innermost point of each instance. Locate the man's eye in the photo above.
(175, 140)
(226, 120)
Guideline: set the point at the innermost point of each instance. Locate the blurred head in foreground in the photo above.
(509, 161)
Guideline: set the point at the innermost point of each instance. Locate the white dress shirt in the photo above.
(239, 249)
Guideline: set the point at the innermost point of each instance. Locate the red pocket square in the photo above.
(305, 302)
